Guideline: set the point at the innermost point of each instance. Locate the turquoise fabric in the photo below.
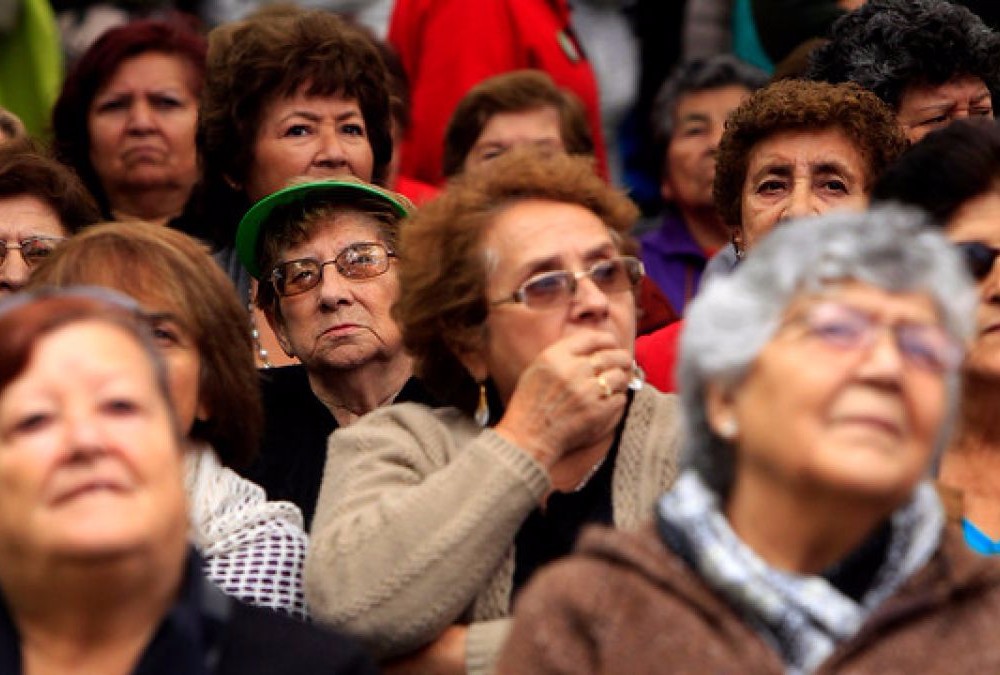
(746, 44)
(977, 539)
(31, 66)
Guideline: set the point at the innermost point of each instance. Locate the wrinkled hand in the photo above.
(569, 397)
(444, 656)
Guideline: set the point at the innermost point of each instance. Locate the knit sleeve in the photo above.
(253, 549)
(417, 511)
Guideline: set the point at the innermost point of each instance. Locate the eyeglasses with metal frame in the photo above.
(551, 289)
(33, 250)
(926, 346)
(359, 261)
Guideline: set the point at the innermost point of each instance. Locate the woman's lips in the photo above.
(340, 329)
(89, 486)
(875, 422)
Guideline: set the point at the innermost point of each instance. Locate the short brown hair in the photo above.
(273, 54)
(517, 91)
(157, 263)
(442, 271)
(26, 172)
(796, 105)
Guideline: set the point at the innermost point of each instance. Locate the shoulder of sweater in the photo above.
(414, 418)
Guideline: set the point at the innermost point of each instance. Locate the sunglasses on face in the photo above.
(978, 257)
(551, 289)
(33, 250)
(362, 260)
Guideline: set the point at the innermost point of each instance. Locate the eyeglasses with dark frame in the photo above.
(926, 346)
(33, 250)
(361, 260)
(978, 257)
(550, 289)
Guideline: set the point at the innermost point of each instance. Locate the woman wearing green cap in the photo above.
(324, 253)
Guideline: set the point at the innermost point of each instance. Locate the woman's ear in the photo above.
(720, 410)
(473, 356)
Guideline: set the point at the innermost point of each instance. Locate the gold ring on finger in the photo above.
(606, 390)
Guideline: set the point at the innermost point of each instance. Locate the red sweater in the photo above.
(448, 46)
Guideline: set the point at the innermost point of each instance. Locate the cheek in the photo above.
(183, 372)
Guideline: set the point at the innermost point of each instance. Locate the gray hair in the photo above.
(733, 318)
(714, 72)
(887, 46)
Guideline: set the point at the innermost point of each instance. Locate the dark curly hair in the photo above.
(71, 145)
(272, 55)
(946, 169)
(442, 271)
(888, 45)
(792, 105)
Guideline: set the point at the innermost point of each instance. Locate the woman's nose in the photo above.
(330, 153)
(141, 117)
(589, 301)
(14, 272)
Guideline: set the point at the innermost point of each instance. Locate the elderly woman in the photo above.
(932, 62)
(41, 203)
(325, 252)
(793, 149)
(289, 93)
(819, 384)
(126, 119)
(253, 548)
(95, 571)
(518, 306)
(954, 174)
(526, 108)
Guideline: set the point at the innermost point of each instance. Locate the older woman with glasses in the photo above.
(954, 174)
(41, 203)
(518, 305)
(324, 252)
(819, 384)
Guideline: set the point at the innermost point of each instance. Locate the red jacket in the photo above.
(657, 354)
(448, 46)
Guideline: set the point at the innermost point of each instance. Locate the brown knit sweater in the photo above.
(624, 603)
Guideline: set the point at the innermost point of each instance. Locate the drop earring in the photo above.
(729, 428)
(482, 414)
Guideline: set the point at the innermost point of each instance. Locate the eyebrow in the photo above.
(784, 169)
(948, 104)
(693, 117)
(316, 117)
(554, 262)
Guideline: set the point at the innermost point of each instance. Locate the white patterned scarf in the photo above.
(802, 617)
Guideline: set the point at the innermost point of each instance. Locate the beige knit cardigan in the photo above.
(418, 511)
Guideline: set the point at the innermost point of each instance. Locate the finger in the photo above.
(587, 342)
(611, 382)
(607, 359)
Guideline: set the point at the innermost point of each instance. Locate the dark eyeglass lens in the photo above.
(33, 251)
(979, 258)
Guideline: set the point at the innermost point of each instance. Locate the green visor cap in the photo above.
(344, 192)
